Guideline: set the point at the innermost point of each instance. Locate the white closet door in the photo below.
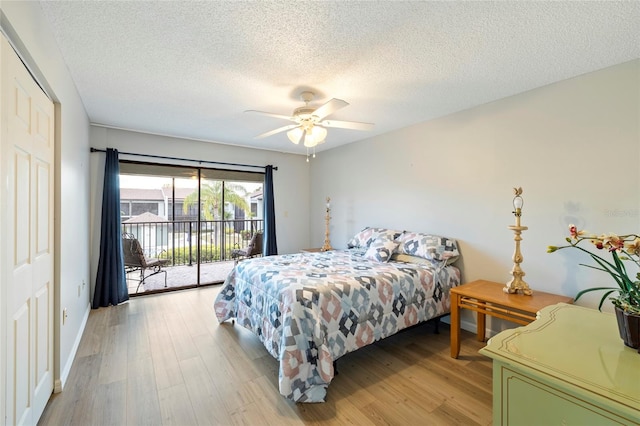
(27, 176)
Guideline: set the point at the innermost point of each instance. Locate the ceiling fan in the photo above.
(310, 124)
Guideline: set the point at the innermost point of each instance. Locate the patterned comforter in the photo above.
(309, 309)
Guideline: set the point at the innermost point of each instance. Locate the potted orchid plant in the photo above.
(623, 268)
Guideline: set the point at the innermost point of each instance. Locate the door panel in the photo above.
(28, 169)
(21, 184)
(22, 107)
(21, 337)
(43, 130)
(42, 208)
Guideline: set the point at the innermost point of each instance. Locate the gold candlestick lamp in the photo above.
(327, 244)
(517, 284)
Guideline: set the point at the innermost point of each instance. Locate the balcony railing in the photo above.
(184, 242)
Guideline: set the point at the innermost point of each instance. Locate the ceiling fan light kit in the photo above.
(312, 135)
(310, 127)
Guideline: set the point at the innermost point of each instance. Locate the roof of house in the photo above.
(144, 194)
(256, 195)
(141, 194)
(145, 217)
(181, 193)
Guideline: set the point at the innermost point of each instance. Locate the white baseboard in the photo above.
(64, 374)
(472, 327)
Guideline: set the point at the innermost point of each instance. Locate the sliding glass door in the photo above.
(192, 218)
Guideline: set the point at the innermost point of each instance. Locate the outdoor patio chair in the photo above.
(134, 260)
(253, 249)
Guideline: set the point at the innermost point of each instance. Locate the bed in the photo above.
(309, 309)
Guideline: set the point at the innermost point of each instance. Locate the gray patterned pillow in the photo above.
(364, 238)
(381, 248)
(430, 247)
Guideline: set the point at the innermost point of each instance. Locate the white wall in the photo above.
(573, 146)
(26, 27)
(290, 181)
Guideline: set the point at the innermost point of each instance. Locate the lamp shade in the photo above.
(294, 135)
(313, 136)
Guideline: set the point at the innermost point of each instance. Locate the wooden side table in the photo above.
(311, 250)
(488, 298)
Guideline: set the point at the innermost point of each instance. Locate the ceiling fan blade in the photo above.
(354, 125)
(278, 130)
(329, 108)
(270, 114)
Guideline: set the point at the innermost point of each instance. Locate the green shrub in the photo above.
(181, 255)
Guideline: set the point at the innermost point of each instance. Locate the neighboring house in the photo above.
(136, 201)
(150, 230)
(160, 203)
(256, 203)
(180, 194)
(254, 200)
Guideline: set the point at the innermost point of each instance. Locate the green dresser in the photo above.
(568, 367)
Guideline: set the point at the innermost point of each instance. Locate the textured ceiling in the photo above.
(191, 69)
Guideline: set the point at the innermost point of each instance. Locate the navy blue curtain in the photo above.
(270, 245)
(111, 284)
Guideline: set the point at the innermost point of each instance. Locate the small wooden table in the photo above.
(488, 298)
(311, 250)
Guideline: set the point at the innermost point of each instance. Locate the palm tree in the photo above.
(211, 197)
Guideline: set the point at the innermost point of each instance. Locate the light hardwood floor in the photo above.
(164, 360)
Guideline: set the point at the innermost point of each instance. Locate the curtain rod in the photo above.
(184, 159)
